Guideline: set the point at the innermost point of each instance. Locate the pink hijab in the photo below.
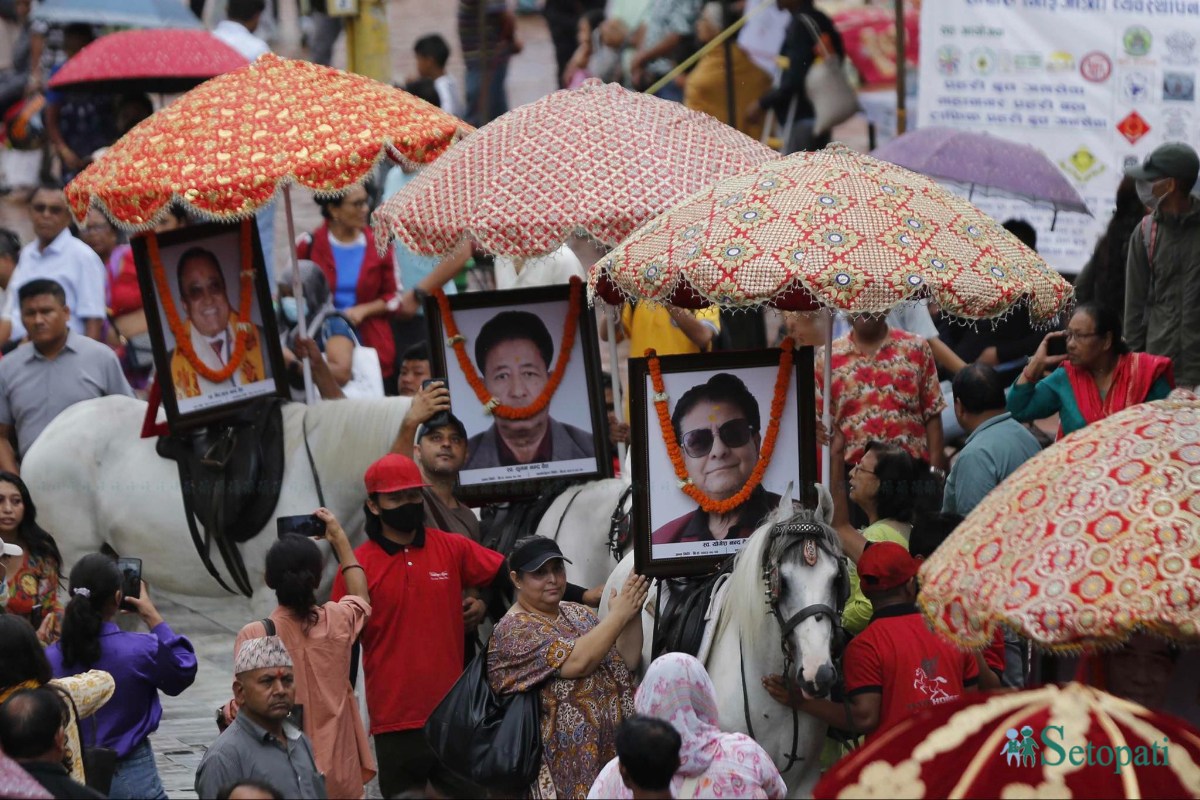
(677, 689)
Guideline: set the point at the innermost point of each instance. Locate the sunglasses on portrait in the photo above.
(699, 442)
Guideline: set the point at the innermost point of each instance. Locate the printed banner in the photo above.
(1094, 84)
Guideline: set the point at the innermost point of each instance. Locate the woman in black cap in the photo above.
(582, 665)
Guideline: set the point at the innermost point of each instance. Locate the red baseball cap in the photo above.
(885, 565)
(393, 473)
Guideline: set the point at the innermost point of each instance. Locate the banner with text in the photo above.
(1094, 84)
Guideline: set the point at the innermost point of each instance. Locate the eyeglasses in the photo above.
(861, 468)
(43, 208)
(1072, 335)
(699, 443)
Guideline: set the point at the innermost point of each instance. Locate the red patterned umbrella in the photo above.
(158, 60)
(224, 148)
(1087, 542)
(598, 159)
(834, 229)
(1051, 742)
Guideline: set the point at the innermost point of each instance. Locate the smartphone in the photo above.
(1057, 346)
(425, 384)
(131, 578)
(303, 524)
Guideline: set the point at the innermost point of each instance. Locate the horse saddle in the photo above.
(231, 473)
(681, 627)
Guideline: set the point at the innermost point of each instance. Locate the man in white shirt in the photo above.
(57, 255)
(237, 30)
(548, 270)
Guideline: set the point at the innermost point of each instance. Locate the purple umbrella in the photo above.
(986, 162)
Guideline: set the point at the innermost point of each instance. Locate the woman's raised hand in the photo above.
(628, 604)
(1041, 360)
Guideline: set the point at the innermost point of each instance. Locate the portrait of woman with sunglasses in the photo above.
(719, 429)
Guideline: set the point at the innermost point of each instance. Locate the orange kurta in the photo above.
(322, 665)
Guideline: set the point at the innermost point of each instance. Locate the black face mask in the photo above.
(404, 518)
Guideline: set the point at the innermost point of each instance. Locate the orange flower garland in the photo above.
(764, 456)
(490, 403)
(183, 341)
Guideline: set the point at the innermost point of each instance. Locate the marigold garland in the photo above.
(764, 456)
(492, 405)
(183, 341)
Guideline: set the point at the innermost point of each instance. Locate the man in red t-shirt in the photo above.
(897, 665)
(413, 640)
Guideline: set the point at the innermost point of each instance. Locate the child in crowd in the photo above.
(576, 71)
(432, 54)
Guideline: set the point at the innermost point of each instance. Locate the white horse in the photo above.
(776, 600)
(580, 519)
(96, 482)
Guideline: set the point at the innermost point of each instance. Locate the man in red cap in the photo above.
(413, 641)
(897, 665)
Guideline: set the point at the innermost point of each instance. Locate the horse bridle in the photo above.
(784, 537)
(618, 525)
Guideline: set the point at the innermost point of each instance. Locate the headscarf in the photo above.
(677, 689)
(318, 300)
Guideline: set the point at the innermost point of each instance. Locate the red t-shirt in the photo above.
(911, 666)
(413, 640)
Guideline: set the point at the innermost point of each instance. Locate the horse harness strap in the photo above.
(618, 525)
(791, 756)
(312, 464)
(571, 502)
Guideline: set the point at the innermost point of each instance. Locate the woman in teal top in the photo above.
(1099, 375)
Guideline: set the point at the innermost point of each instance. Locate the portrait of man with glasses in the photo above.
(718, 426)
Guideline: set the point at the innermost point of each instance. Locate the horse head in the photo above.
(807, 587)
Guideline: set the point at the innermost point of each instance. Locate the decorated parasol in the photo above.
(834, 229)
(158, 60)
(1086, 542)
(1070, 741)
(225, 148)
(599, 160)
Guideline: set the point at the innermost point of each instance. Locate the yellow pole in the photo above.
(367, 51)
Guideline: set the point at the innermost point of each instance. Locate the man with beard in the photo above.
(413, 642)
(262, 745)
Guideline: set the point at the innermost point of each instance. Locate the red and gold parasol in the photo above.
(224, 148)
(598, 159)
(1087, 542)
(834, 229)
(1074, 737)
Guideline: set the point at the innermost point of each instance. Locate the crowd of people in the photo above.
(928, 418)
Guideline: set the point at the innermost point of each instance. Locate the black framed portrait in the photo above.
(211, 321)
(719, 407)
(508, 347)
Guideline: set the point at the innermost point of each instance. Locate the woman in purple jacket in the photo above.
(141, 664)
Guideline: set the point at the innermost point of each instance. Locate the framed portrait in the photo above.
(211, 321)
(719, 406)
(510, 347)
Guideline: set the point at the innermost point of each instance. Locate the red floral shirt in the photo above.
(888, 396)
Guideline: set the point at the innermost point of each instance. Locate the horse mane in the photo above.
(745, 603)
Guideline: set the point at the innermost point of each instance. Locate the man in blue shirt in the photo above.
(996, 443)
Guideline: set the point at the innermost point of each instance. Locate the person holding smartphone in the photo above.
(141, 664)
(1099, 377)
(318, 638)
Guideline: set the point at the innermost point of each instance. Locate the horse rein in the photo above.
(571, 502)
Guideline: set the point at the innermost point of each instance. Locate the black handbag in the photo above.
(495, 741)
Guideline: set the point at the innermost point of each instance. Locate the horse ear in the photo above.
(824, 503)
(786, 507)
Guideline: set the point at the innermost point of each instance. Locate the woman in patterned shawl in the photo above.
(580, 665)
(712, 763)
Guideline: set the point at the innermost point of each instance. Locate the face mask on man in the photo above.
(403, 518)
(1145, 193)
(290, 309)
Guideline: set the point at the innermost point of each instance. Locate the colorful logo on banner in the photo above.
(1082, 165)
(1135, 88)
(1181, 49)
(1133, 127)
(1137, 41)
(1179, 86)
(949, 60)
(1095, 67)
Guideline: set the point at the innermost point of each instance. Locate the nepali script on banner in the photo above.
(1094, 84)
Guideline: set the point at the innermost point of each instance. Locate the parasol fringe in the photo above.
(387, 149)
